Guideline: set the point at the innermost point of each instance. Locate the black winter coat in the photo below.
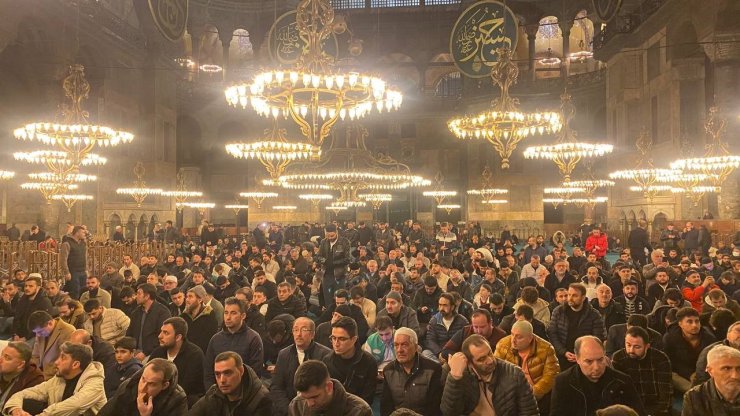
(245, 342)
(202, 327)
(569, 395)
(171, 401)
(254, 401)
(591, 323)
(358, 375)
(25, 308)
(189, 363)
(340, 254)
(282, 390)
(158, 313)
(512, 394)
(683, 357)
(294, 306)
(420, 391)
(704, 400)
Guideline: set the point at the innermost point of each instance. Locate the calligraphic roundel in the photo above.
(479, 31)
(170, 17)
(285, 43)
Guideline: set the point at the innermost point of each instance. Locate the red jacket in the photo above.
(695, 295)
(592, 241)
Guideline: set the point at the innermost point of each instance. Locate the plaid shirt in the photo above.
(652, 378)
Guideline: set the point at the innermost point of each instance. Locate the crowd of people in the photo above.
(365, 319)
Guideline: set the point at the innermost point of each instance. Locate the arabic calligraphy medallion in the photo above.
(479, 31)
(170, 17)
(286, 44)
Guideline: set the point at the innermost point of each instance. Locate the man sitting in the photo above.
(320, 394)
(76, 389)
(50, 334)
(151, 391)
(107, 323)
(683, 343)
(717, 396)
(17, 372)
(238, 390)
(443, 325)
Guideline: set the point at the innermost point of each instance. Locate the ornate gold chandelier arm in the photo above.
(505, 73)
(315, 21)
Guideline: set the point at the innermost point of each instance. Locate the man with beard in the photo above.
(33, 300)
(717, 396)
(443, 325)
(94, 291)
(201, 318)
(289, 359)
(174, 346)
(649, 369)
(592, 384)
(683, 343)
(400, 314)
(662, 283)
(411, 381)
(334, 253)
(559, 278)
(77, 387)
(319, 394)
(146, 320)
(107, 323)
(571, 321)
(630, 301)
(479, 383)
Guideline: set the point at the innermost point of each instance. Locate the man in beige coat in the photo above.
(107, 323)
(50, 334)
(74, 365)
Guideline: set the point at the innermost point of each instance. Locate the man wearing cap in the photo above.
(33, 300)
(400, 314)
(411, 381)
(535, 356)
(201, 319)
(334, 254)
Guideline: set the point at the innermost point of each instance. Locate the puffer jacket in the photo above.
(541, 309)
(438, 335)
(420, 391)
(342, 403)
(593, 241)
(591, 323)
(254, 399)
(113, 326)
(704, 400)
(542, 363)
(170, 401)
(512, 394)
(88, 397)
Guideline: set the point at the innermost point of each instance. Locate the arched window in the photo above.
(449, 86)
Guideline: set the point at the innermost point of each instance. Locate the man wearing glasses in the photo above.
(348, 363)
(282, 390)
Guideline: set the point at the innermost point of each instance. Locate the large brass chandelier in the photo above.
(139, 191)
(566, 152)
(488, 192)
(644, 174)
(71, 140)
(315, 94)
(181, 194)
(717, 161)
(504, 125)
(275, 153)
(349, 168)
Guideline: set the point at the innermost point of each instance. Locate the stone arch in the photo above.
(130, 230)
(113, 221)
(211, 51)
(152, 222)
(241, 49)
(449, 85)
(631, 220)
(141, 228)
(683, 36)
(641, 216)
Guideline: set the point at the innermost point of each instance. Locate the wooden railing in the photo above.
(27, 256)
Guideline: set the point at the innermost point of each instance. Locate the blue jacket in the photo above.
(438, 335)
(246, 342)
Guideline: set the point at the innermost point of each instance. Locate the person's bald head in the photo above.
(80, 336)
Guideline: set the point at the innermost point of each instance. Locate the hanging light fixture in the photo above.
(644, 174)
(69, 200)
(314, 94)
(316, 199)
(258, 197)
(504, 125)
(377, 200)
(139, 191)
(6, 174)
(181, 193)
(449, 207)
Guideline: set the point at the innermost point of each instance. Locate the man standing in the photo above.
(282, 390)
(571, 321)
(146, 320)
(201, 318)
(108, 324)
(335, 253)
(237, 337)
(446, 244)
(175, 347)
(690, 235)
(319, 394)
(719, 395)
(16, 370)
(151, 391)
(481, 384)
(348, 363)
(638, 241)
(592, 384)
(76, 389)
(411, 381)
(649, 369)
(73, 261)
